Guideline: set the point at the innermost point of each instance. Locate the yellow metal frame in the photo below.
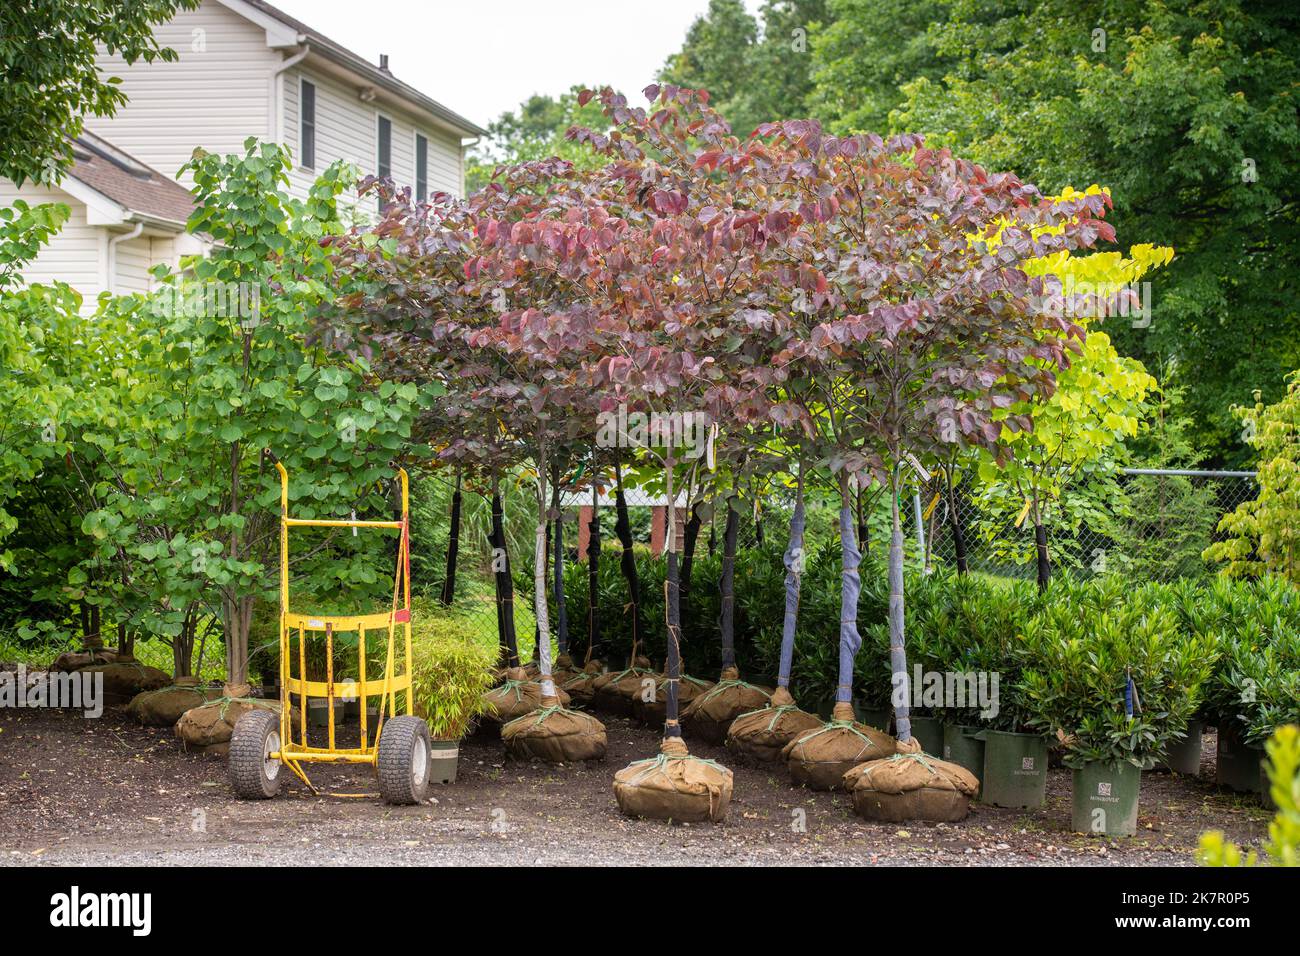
(294, 752)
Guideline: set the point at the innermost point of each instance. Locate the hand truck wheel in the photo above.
(403, 760)
(254, 774)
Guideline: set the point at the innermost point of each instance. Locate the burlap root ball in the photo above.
(556, 735)
(761, 735)
(206, 729)
(911, 786)
(820, 757)
(580, 687)
(655, 711)
(516, 697)
(123, 680)
(163, 707)
(674, 786)
(564, 669)
(76, 660)
(614, 692)
(709, 715)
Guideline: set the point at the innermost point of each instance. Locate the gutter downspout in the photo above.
(275, 122)
(111, 284)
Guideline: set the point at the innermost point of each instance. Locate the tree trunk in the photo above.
(1040, 546)
(623, 528)
(864, 530)
(561, 613)
(758, 526)
(540, 609)
(672, 612)
(727, 585)
(850, 588)
(955, 525)
(794, 563)
(125, 642)
(593, 575)
(897, 651)
(238, 613)
(453, 548)
(689, 539)
(505, 585)
(94, 636)
(537, 624)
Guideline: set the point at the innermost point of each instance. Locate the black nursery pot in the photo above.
(1236, 764)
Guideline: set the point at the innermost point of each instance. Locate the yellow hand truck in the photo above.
(399, 750)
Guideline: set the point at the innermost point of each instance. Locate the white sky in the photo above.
(482, 57)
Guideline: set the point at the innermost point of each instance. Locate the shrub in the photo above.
(1283, 845)
(970, 625)
(1085, 645)
(1256, 683)
(452, 667)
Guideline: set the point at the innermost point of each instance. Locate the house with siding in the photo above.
(244, 69)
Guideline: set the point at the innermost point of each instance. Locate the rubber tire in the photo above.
(248, 749)
(400, 781)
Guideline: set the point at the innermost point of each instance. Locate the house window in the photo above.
(385, 170)
(421, 168)
(307, 124)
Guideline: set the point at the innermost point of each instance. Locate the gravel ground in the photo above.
(107, 792)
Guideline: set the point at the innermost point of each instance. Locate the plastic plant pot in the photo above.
(1184, 756)
(1236, 765)
(882, 719)
(318, 714)
(962, 747)
(1015, 769)
(1106, 798)
(444, 757)
(929, 733)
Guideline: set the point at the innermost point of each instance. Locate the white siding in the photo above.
(216, 95)
(77, 255)
(347, 128)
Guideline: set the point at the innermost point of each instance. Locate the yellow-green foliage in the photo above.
(452, 667)
(1283, 845)
(1264, 533)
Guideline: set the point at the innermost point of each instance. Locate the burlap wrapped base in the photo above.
(761, 735)
(556, 735)
(516, 697)
(709, 715)
(564, 669)
(163, 707)
(76, 660)
(580, 687)
(206, 729)
(123, 680)
(614, 692)
(674, 786)
(911, 786)
(655, 711)
(819, 758)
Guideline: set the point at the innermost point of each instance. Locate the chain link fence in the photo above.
(1153, 525)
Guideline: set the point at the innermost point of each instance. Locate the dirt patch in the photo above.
(110, 792)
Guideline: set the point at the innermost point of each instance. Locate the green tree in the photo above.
(866, 52)
(51, 80)
(1187, 109)
(189, 512)
(1264, 534)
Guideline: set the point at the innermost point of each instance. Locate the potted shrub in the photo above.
(1116, 682)
(1253, 688)
(973, 636)
(451, 671)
